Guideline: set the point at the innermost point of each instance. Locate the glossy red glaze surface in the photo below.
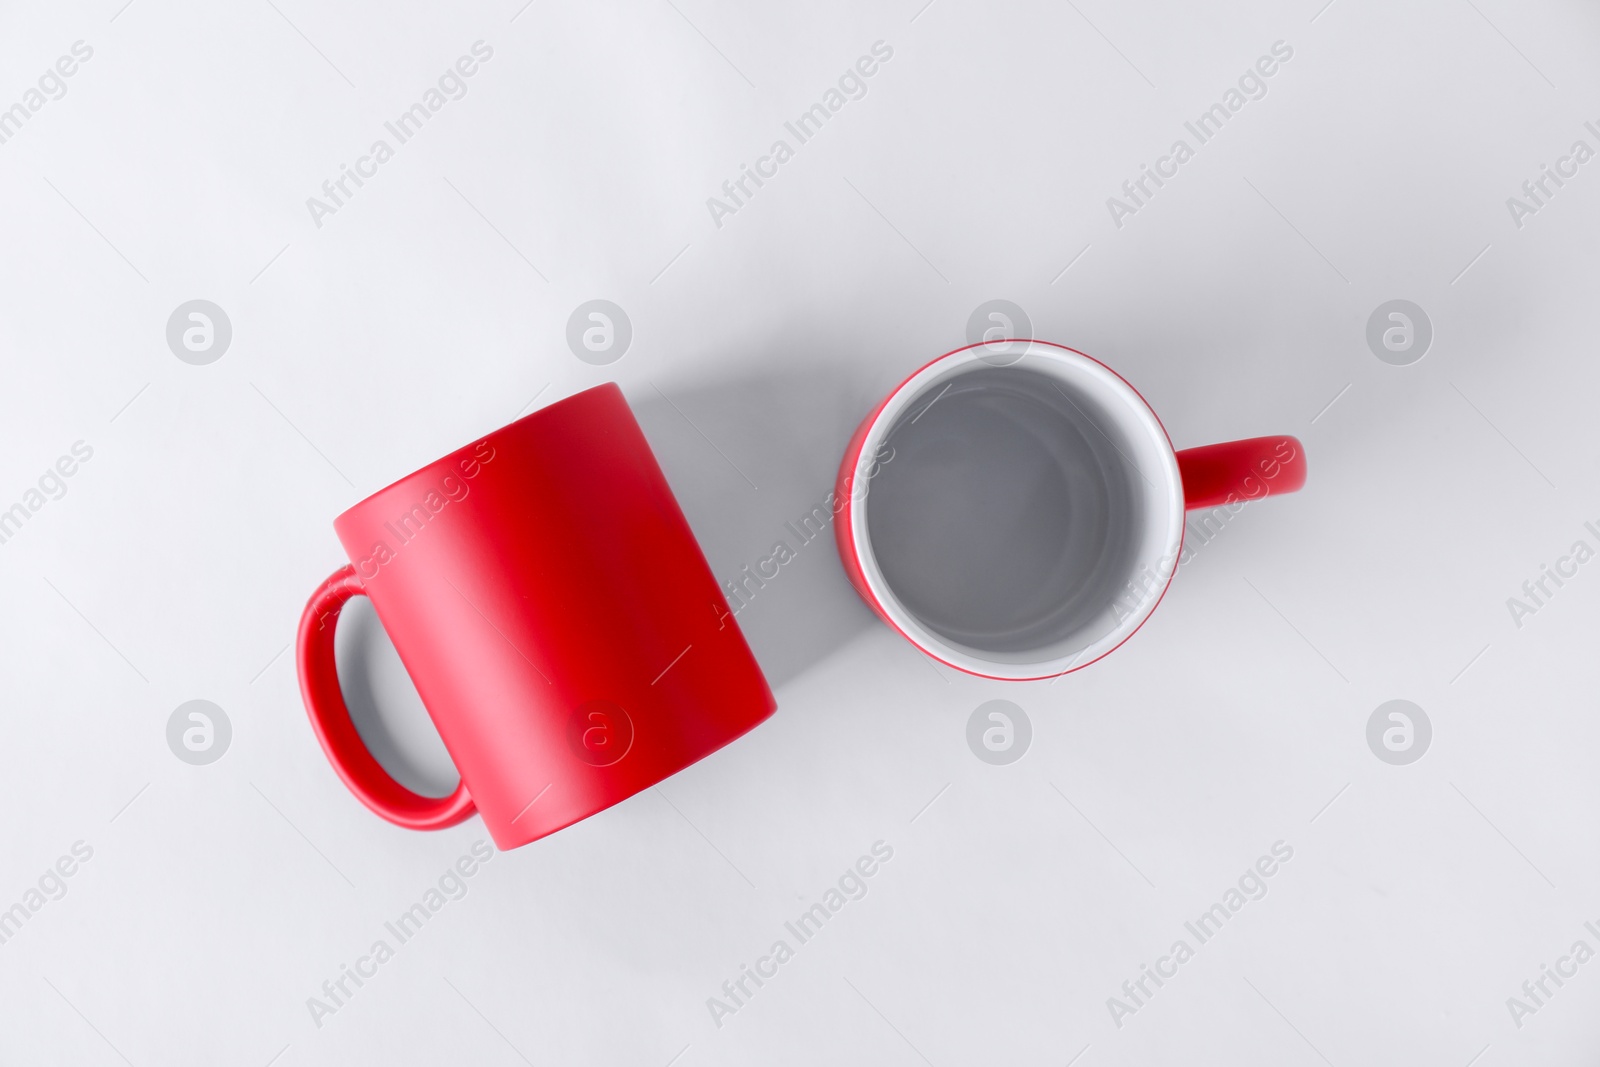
(557, 616)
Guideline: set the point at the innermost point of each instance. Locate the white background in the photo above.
(432, 308)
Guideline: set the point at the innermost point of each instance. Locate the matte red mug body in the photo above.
(556, 615)
(1015, 509)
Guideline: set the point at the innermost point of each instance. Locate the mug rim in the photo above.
(902, 621)
(449, 458)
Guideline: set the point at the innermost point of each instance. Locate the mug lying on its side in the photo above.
(1034, 512)
(557, 616)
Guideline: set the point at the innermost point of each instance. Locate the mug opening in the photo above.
(1019, 512)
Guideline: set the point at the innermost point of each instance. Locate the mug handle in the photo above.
(1235, 472)
(330, 718)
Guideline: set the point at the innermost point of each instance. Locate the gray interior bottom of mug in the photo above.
(1008, 518)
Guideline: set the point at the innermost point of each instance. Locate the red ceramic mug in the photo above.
(556, 615)
(1016, 510)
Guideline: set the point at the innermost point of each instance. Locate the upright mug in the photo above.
(556, 615)
(1033, 514)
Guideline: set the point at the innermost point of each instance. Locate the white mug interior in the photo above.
(1019, 509)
